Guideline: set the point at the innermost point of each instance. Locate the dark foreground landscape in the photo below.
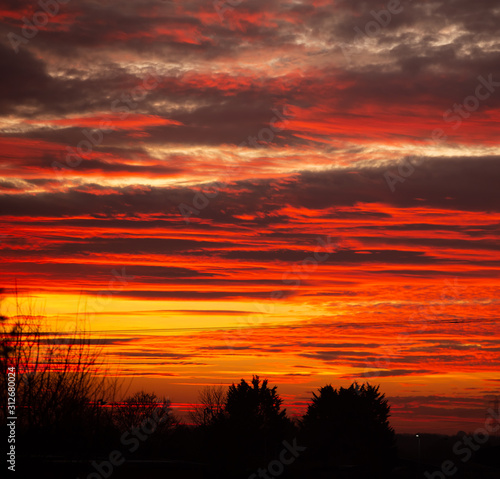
(65, 419)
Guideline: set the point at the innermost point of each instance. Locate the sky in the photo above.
(303, 190)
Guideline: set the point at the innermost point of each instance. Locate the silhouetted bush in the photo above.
(244, 430)
(350, 426)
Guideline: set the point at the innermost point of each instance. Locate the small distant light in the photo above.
(416, 435)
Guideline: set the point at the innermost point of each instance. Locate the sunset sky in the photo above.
(304, 190)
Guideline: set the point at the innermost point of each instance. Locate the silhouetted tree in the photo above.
(350, 426)
(59, 386)
(149, 417)
(255, 405)
(247, 431)
(144, 408)
(211, 406)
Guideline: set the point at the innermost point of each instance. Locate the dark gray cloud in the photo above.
(440, 183)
